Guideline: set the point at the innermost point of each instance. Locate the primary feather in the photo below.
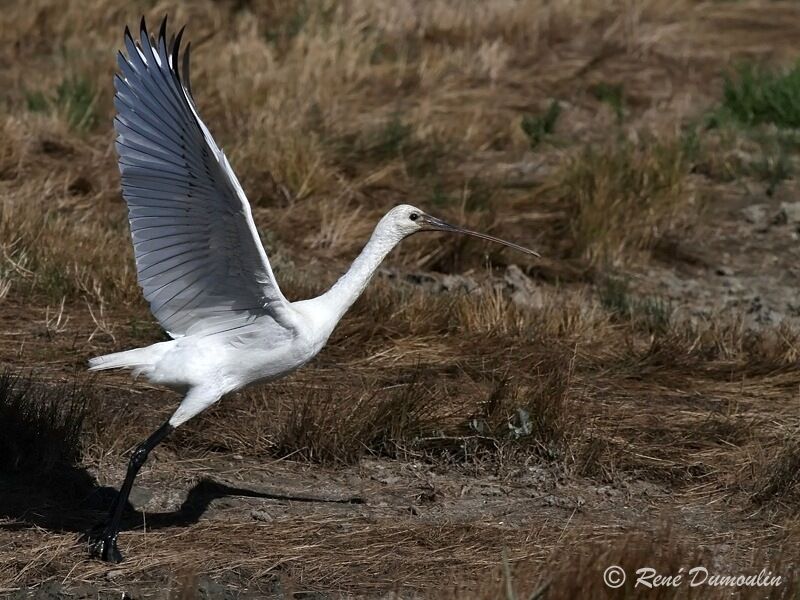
(199, 259)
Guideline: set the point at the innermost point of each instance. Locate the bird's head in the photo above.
(406, 220)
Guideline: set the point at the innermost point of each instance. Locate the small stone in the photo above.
(524, 291)
(733, 285)
(459, 283)
(724, 271)
(563, 502)
(789, 213)
(139, 497)
(492, 490)
(387, 480)
(517, 279)
(261, 515)
(755, 213)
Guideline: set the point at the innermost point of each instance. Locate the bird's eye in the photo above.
(413, 216)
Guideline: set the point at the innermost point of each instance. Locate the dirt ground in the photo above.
(481, 424)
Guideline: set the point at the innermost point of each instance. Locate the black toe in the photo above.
(105, 548)
(110, 551)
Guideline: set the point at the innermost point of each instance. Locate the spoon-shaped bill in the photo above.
(439, 225)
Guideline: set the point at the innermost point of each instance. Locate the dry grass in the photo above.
(42, 426)
(600, 426)
(333, 123)
(625, 198)
(568, 576)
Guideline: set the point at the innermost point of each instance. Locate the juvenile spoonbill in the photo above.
(199, 259)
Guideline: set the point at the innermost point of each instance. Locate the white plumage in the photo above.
(199, 259)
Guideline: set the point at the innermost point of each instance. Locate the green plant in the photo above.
(612, 94)
(36, 101)
(614, 296)
(75, 97)
(650, 313)
(755, 95)
(390, 140)
(536, 127)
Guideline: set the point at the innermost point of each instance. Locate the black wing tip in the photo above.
(162, 30)
(173, 48)
(175, 51)
(187, 81)
(175, 44)
(144, 34)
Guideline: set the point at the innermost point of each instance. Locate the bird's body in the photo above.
(206, 367)
(199, 258)
(211, 362)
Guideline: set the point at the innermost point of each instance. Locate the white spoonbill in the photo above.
(199, 259)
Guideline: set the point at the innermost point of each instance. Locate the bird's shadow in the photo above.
(72, 501)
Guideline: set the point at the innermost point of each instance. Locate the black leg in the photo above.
(106, 545)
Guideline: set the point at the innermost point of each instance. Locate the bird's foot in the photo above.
(105, 548)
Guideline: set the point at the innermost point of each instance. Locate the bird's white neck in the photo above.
(351, 285)
(326, 311)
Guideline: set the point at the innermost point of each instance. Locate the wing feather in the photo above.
(199, 259)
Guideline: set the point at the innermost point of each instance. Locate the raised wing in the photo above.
(199, 259)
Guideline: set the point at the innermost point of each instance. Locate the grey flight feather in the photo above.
(199, 259)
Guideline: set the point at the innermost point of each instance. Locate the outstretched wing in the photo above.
(200, 262)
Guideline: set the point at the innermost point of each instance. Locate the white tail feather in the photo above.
(121, 360)
(139, 359)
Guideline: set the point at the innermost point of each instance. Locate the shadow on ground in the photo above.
(73, 501)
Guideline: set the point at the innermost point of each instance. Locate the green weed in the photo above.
(650, 313)
(612, 94)
(75, 98)
(36, 101)
(755, 95)
(536, 127)
(390, 140)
